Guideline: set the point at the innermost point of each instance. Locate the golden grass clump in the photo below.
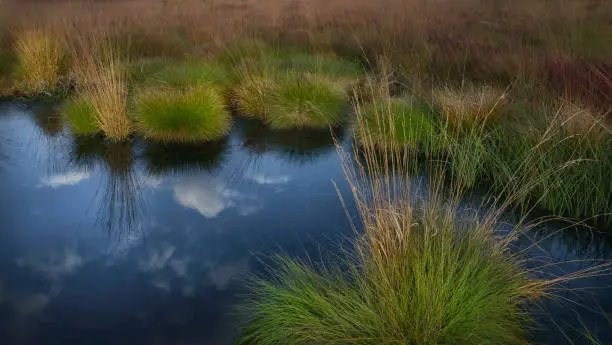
(102, 80)
(470, 105)
(251, 96)
(581, 121)
(40, 57)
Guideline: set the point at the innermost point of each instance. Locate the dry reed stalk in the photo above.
(394, 208)
(40, 58)
(101, 79)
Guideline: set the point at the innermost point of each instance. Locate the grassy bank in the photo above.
(421, 271)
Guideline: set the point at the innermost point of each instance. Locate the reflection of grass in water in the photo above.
(121, 204)
(46, 118)
(299, 146)
(4, 146)
(174, 158)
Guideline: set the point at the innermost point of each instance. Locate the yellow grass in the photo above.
(40, 60)
(581, 121)
(470, 104)
(101, 79)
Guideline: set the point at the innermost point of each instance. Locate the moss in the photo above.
(195, 114)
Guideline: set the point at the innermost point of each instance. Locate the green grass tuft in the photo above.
(408, 124)
(447, 286)
(81, 115)
(301, 101)
(196, 114)
(251, 96)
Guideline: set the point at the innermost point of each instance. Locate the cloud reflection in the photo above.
(209, 197)
(269, 180)
(55, 265)
(67, 179)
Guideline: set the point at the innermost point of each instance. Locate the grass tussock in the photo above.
(305, 101)
(252, 94)
(81, 115)
(101, 79)
(470, 106)
(196, 114)
(40, 59)
(409, 124)
(443, 287)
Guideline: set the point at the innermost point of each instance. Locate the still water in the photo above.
(142, 243)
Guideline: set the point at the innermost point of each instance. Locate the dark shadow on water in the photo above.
(47, 119)
(121, 205)
(173, 158)
(297, 146)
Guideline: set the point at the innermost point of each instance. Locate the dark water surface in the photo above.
(142, 243)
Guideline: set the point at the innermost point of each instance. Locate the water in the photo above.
(141, 243)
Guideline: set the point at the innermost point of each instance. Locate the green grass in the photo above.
(286, 85)
(331, 66)
(81, 115)
(572, 172)
(251, 94)
(400, 122)
(446, 286)
(196, 114)
(192, 73)
(300, 101)
(140, 70)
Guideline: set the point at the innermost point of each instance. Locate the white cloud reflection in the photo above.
(157, 259)
(222, 275)
(67, 179)
(209, 197)
(264, 179)
(55, 265)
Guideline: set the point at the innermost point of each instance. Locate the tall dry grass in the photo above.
(40, 57)
(101, 78)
